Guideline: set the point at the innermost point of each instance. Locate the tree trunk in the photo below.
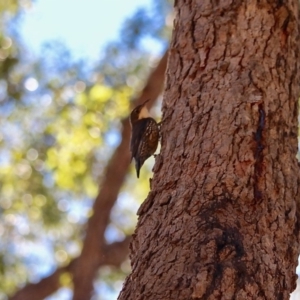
(222, 218)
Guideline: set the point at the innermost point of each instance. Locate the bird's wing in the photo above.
(138, 129)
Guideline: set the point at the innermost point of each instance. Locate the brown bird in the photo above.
(144, 135)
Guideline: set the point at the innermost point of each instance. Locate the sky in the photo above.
(89, 24)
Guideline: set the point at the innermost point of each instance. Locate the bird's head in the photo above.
(140, 112)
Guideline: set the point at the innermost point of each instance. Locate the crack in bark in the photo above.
(258, 155)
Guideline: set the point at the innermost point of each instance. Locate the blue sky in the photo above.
(85, 26)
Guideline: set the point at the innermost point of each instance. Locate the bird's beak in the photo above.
(145, 102)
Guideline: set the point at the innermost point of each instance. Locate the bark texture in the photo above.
(222, 218)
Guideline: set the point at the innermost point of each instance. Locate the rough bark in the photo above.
(222, 218)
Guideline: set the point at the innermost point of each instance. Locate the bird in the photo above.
(144, 135)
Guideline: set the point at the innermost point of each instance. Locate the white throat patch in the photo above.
(144, 113)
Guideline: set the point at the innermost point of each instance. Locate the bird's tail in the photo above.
(138, 165)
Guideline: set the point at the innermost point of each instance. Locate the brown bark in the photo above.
(222, 218)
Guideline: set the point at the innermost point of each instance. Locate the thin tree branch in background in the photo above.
(95, 252)
(113, 179)
(113, 255)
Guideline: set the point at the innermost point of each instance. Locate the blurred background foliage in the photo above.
(59, 125)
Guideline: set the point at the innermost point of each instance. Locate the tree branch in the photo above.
(113, 255)
(95, 252)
